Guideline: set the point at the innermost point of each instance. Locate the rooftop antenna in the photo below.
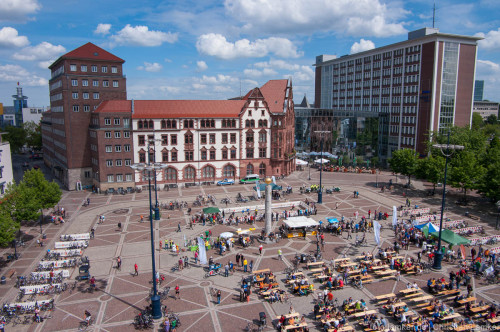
(433, 14)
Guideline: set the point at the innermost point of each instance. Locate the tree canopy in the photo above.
(404, 162)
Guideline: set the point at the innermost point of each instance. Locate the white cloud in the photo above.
(277, 64)
(151, 67)
(173, 90)
(141, 36)
(255, 73)
(167, 60)
(201, 66)
(16, 10)
(217, 45)
(219, 79)
(489, 71)
(491, 40)
(102, 29)
(9, 37)
(353, 17)
(305, 74)
(363, 45)
(42, 51)
(16, 73)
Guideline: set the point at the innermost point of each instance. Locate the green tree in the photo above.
(466, 171)
(491, 119)
(8, 228)
(477, 121)
(374, 161)
(33, 135)
(431, 169)
(404, 162)
(16, 137)
(489, 185)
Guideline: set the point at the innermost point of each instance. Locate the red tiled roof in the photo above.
(114, 106)
(90, 51)
(159, 109)
(274, 92)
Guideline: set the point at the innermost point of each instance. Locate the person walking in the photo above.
(280, 255)
(349, 235)
(142, 218)
(226, 270)
(260, 249)
(178, 227)
(237, 259)
(245, 265)
(242, 258)
(136, 270)
(218, 296)
(119, 263)
(177, 292)
(196, 257)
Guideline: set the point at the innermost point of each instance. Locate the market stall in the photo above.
(300, 226)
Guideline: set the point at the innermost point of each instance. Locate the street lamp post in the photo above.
(443, 147)
(157, 206)
(149, 171)
(320, 189)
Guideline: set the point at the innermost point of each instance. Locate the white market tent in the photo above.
(300, 162)
(321, 161)
(300, 221)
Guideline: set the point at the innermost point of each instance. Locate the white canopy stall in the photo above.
(300, 226)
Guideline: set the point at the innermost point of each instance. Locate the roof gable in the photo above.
(90, 51)
(274, 92)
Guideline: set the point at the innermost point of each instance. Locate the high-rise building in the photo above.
(80, 81)
(478, 90)
(423, 84)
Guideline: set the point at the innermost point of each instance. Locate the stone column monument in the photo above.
(268, 203)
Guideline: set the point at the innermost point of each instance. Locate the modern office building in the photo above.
(6, 173)
(486, 108)
(423, 84)
(80, 81)
(201, 140)
(33, 114)
(478, 90)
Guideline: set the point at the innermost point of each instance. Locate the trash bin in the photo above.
(262, 319)
(3, 280)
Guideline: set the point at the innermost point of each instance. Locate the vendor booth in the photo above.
(300, 226)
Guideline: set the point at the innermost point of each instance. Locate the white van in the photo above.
(250, 178)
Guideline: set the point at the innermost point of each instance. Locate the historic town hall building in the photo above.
(201, 141)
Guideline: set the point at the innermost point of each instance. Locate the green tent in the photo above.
(262, 187)
(450, 237)
(211, 209)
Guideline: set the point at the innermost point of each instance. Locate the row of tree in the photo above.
(476, 167)
(29, 135)
(25, 202)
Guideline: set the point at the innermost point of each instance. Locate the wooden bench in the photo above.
(387, 277)
(10, 273)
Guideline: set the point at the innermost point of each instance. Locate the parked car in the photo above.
(225, 182)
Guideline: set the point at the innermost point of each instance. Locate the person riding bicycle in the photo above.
(88, 317)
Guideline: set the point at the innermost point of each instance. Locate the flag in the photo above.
(394, 216)
(203, 251)
(376, 231)
(462, 251)
(258, 189)
(274, 179)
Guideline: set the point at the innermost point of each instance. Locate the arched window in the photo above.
(174, 124)
(262, 169)
(163, 124)
(264, 123)
(189, 173)
(249, 169)
(139, 124)
(247, 123)
(171, 174)
(229, 171)
(252, 123)
(233, 123)
(151, 124)
(208, 172)
(260, 123)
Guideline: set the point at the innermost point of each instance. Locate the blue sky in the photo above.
(211, 49)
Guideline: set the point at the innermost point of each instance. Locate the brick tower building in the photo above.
(80, 81)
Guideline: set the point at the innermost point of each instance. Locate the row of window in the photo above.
(119, 177)
(118, 162)
(118, 134)
(85, 95)
(95, 83)
(93, 68)
(86, 108)
(118, 148)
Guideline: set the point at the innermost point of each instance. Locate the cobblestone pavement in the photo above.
(120, 295)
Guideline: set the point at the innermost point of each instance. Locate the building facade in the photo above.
(478, 90)
(6, 173)
(80, 81)
(201, 141)
(33, 114)
(416, 86)
(486, 108)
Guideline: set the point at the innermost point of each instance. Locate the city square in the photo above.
(119, 295)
